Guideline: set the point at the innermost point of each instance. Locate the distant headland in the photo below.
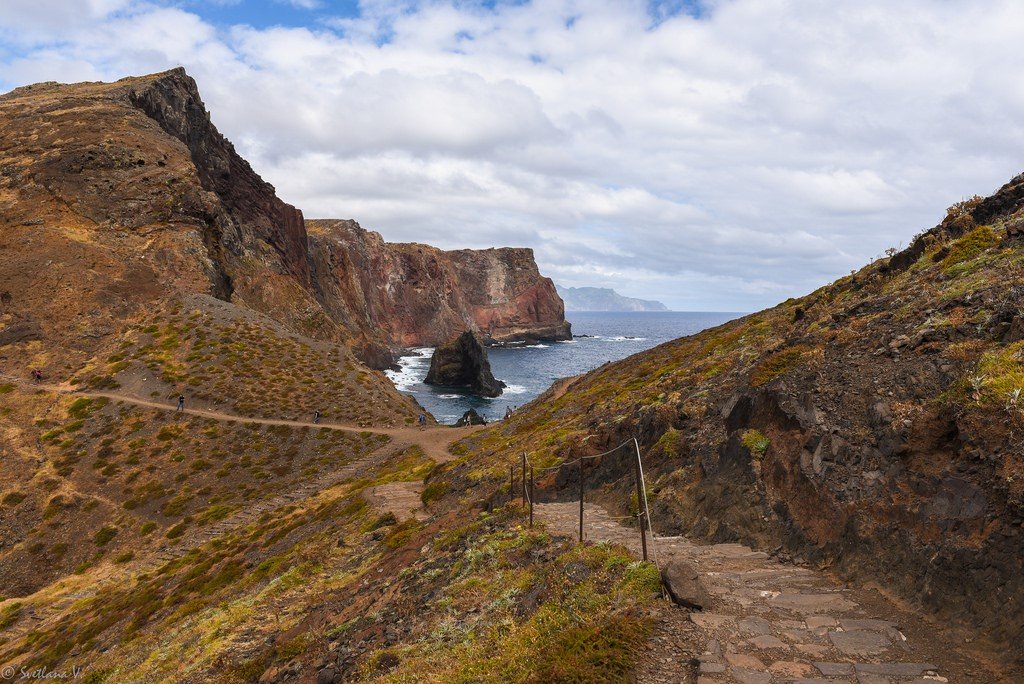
(604, 299)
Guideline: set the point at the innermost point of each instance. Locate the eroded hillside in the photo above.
(115, 195)
(871, 427)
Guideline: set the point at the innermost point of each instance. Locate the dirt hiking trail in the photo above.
(434, 439)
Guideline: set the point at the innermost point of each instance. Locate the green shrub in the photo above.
(379, 522)
(79, 408)
(168, 432)
(433, 492)
(970, 245)
(176, 506)
(103, 382)
(13, 498)
(213, 514)
(756, 442)
(9, 615)
(104, 535)
(668, 444)
(177, 530)
(777, 364)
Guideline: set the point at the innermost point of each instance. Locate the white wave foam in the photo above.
(412, 369)
(515, 389)
(449, 396)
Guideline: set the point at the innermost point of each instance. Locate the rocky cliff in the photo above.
(410, 294)
(114, 195)
(871, 427)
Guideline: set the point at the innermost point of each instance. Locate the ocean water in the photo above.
(528, 371)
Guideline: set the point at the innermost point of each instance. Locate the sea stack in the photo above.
(463, 363)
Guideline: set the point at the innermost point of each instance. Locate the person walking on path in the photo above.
(316, 417)
(423, 421)
(181, 403)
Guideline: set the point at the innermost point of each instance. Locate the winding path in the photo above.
(434, 440)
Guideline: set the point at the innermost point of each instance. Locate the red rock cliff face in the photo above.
(114, 195)
(412, 294)
(172, 100)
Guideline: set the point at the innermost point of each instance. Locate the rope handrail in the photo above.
(580, 458)
(643, 514)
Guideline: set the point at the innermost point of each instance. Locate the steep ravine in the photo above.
(871, 427)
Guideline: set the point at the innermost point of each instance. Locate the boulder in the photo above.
(463, 363)
(683, 583)
(470, 417)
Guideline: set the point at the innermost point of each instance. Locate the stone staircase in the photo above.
(771, 622)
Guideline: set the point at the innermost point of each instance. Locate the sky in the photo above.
(713, 154)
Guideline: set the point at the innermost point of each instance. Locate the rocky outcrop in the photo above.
(172, 100)
(463, 363)
(417, 295)
(115, 195)
(684, 585)
(470, 417)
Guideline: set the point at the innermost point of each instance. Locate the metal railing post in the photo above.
(531, 496)
(524, 478)
(641, 504)
(581, 499)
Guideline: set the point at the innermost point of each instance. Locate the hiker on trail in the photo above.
(37, 375)
(316, 417)
(181, 403)
(423, 420)
(508, 412)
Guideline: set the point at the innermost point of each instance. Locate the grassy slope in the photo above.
(330, 582)
(234, 360)
(97, 491)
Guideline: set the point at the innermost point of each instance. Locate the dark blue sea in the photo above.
(528, 371)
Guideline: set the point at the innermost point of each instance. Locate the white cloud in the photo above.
(720, 162)
(305, 4)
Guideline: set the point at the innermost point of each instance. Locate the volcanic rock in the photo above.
(110, 212)
(463, 363)
(877, 433)
(413, 295)
(684, 585)
(470, 417)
